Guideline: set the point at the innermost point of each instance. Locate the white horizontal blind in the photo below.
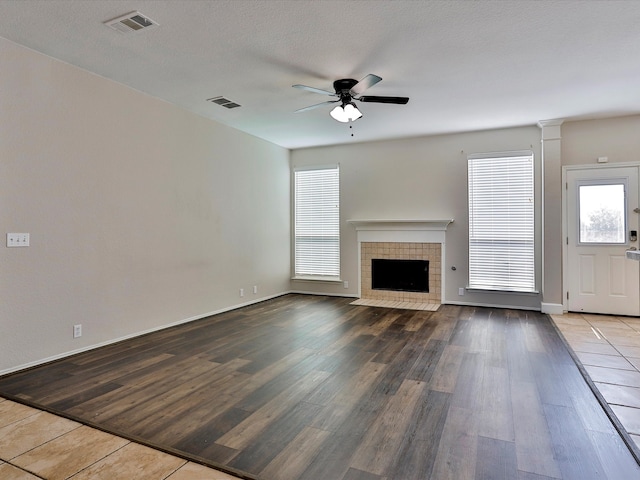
(501, 223)
(317, 222)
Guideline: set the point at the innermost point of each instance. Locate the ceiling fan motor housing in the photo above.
(343, 88)
(344, 85)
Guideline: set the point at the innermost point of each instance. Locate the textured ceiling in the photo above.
(465, 65)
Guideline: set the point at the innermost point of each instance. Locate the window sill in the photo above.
(507, 292)
(314, 278)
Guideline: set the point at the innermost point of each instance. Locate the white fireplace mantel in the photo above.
(400, 224)
(407, 231)
(400, 230)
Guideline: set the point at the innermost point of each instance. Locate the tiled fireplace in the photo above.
(402, 240)
(432, 252)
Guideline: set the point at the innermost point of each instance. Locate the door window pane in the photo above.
(602, 213)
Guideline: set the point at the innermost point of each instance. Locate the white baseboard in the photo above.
(552, 308)
(306, 292)
(549, 308)
(491, 305)
(133, 335)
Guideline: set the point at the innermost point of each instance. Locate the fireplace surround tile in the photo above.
(402, 251)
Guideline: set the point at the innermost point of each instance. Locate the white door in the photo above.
(601, 223)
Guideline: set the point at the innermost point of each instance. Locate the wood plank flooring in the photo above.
(311, 387)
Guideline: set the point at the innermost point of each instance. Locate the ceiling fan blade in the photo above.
(368, 81)
(396, 100)
(311, 107)
(314, 90)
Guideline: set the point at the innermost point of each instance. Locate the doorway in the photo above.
(601, 226)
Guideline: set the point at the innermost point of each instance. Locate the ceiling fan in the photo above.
(347, 90)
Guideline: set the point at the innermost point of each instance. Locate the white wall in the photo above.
(417, 178)
(140, 213)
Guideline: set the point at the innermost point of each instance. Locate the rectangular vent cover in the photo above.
(131, 22)
(224, 102)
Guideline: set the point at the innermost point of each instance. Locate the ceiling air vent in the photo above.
(131, 22)
(224, 102)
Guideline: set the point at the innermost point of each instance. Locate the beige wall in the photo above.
(425, 178)
(140, 213)
(616, 138)
(417, 178)
(583, 142)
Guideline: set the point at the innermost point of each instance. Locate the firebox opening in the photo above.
(400, 275)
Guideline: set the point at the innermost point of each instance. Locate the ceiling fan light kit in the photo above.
(346, 113)
(347, 90)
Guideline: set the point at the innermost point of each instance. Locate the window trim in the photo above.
(305, 276)
(527, 277)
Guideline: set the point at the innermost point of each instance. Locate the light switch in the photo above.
(17, 239)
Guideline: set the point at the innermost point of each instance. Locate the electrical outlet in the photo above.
(255, 289)
(461, 291)
(345, 284)
(242, 292)
(77, 331)
(17, 239)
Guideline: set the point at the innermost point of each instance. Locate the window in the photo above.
(501, 222)
(602, 213)
(317, 222)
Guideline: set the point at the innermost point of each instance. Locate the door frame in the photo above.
(565, 215)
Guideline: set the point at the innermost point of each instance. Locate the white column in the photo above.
(552, 301)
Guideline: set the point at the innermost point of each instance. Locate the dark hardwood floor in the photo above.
(310, 387)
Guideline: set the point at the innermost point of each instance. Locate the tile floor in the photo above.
(368, 302)
(609, 349)
(38, 445)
